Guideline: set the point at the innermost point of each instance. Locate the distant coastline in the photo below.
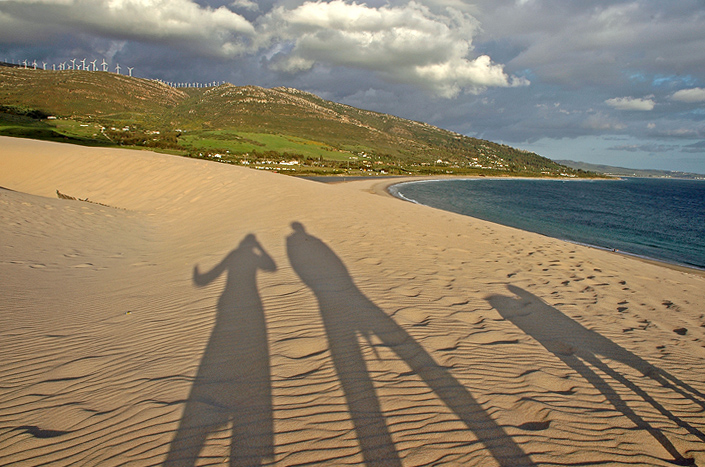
(627, 172)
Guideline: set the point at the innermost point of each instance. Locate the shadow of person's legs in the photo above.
(233, 383)
(577, 346)
(347, 315)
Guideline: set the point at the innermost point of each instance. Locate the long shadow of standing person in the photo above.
(578, 347)
(233, 382)
(347, 314)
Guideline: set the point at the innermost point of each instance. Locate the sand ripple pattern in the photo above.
(209, 315)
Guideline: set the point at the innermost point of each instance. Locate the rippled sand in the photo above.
(195, 313)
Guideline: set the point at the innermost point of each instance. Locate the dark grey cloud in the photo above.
(523, 72)
(651, 148)
(698, 147)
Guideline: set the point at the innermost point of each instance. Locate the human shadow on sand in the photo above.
(580, 349)
(347, 315)
(233, 382)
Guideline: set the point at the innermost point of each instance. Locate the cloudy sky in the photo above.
(614, 82)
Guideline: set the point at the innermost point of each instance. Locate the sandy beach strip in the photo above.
(195, 313)
(384, 184)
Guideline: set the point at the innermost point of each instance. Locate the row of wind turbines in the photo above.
(75, 64)
(85, 65)
(212, 84)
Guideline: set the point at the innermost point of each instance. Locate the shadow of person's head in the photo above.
(250, 244)
(516, 306)
(298, 228)
(250, 241)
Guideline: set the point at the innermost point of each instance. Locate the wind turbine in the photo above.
(73, 63)
(104, 65)
(34, 64)
(83, 64)
(129, 69)
(93, 63)
(62, 66)
(25, 64)
(117, 68)
(44, 66)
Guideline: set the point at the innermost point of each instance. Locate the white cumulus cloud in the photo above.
(405, 44)
(689, 95)
(217, 31)
(631, 103)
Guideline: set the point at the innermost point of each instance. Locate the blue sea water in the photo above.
(662, 219)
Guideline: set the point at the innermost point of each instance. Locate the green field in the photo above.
(22, 123)
(237, 142)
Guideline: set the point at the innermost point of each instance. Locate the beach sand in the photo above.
(196, 313)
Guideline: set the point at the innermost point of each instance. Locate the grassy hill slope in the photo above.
(84, 93)
(248, 125)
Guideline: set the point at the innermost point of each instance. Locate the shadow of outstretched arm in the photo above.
(261, 260)
(201, 280)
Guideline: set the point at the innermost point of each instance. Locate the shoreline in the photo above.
(382, 188)
(201, 308)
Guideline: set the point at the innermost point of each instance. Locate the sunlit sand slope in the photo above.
(185, 312)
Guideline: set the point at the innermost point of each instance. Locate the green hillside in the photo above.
(278, 129)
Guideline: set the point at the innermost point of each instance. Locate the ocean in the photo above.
(661, 219)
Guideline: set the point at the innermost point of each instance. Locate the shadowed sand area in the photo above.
(196, 313)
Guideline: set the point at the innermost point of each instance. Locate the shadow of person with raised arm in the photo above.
(579, 347)
(347, 315)
(233, 382)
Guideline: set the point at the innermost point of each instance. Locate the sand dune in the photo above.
(195, 313)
